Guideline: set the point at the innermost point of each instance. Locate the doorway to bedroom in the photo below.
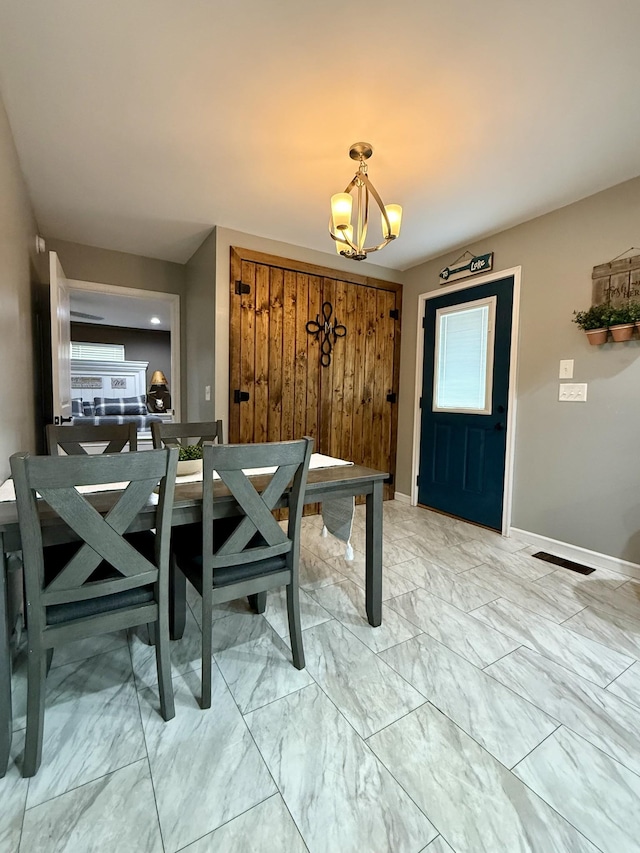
(122, 357)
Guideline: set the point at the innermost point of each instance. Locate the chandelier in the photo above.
(342, 231)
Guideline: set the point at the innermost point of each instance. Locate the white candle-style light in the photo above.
(341, 206)
(394, 212)
(342, 245)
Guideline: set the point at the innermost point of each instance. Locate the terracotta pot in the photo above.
(622, 332)
(597, 336)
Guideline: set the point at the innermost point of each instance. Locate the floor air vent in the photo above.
(566, 564)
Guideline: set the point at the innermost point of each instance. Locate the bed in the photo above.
(113, 410)
(107, 379)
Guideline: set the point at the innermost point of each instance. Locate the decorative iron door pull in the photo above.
(330, 332)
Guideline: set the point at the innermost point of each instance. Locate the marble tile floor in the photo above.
(496, 710)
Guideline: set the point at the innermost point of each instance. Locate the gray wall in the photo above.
(18, 283)
(149, 345)
(200, 316)
(88, 263)
(577, 465)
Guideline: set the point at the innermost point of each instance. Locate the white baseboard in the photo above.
(578, 554)
(401, 498)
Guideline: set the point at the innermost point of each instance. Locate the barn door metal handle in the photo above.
(60, 420)
(240, 396)
(499, 426)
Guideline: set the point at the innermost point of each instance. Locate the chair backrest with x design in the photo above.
(55, 480)
(176, 435)
(255, 499)
(72, 438)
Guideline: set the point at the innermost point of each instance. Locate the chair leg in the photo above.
(258, 602)
(207, 651)
(163, 663)
(36, 674)
(177, 600)
(152, 632)
(295, 628)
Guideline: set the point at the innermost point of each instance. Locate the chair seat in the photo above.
(57, 556)
(58, 614)
(186, 544)
(192, 568)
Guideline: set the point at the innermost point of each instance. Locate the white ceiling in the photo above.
(142, 123)
(107, 309)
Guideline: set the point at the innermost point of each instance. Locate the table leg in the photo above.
(374, 555)
(177, 602)
(6, 722)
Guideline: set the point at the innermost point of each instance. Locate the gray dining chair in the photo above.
(170, 435)
(250, 553)
(108, 580)
(71, 439)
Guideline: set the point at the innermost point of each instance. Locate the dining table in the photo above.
(322, 484)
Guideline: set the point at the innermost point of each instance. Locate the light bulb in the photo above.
(341, 204)
(344, 246)
(394, 212)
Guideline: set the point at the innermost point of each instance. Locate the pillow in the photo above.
(120, 406)
(76, 407)
(88, 409)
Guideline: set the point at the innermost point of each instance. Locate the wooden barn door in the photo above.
(278, 388)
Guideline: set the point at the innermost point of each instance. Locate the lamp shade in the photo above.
(159, 378)
(342, 245)
(341, 204)
(394, 212)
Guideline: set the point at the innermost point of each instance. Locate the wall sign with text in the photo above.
(462, 268)
(86, 382)
(616, 282)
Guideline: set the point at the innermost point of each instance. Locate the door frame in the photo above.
(516, 273)
(141, 293)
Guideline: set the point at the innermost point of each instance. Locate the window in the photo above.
(97, 352)
(463, 369)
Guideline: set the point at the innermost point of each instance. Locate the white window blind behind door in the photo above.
(99, 352)
(463, 368)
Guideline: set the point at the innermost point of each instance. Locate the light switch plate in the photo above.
(566, 368)
(207, 392)
(573, 393)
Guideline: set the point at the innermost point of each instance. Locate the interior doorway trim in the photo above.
(507, 496)
(140, 293)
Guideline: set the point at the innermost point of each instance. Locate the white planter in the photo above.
(189, 466)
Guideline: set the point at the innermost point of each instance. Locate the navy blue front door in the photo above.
(462, 453)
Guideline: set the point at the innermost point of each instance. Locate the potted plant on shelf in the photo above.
(189, 459)
(634, 312)
(621, 322)
(595, 322)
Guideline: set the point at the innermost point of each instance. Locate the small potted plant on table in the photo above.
(189, 459)
(594, 322)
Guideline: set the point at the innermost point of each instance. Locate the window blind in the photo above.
(97, 352)
(461, 370)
